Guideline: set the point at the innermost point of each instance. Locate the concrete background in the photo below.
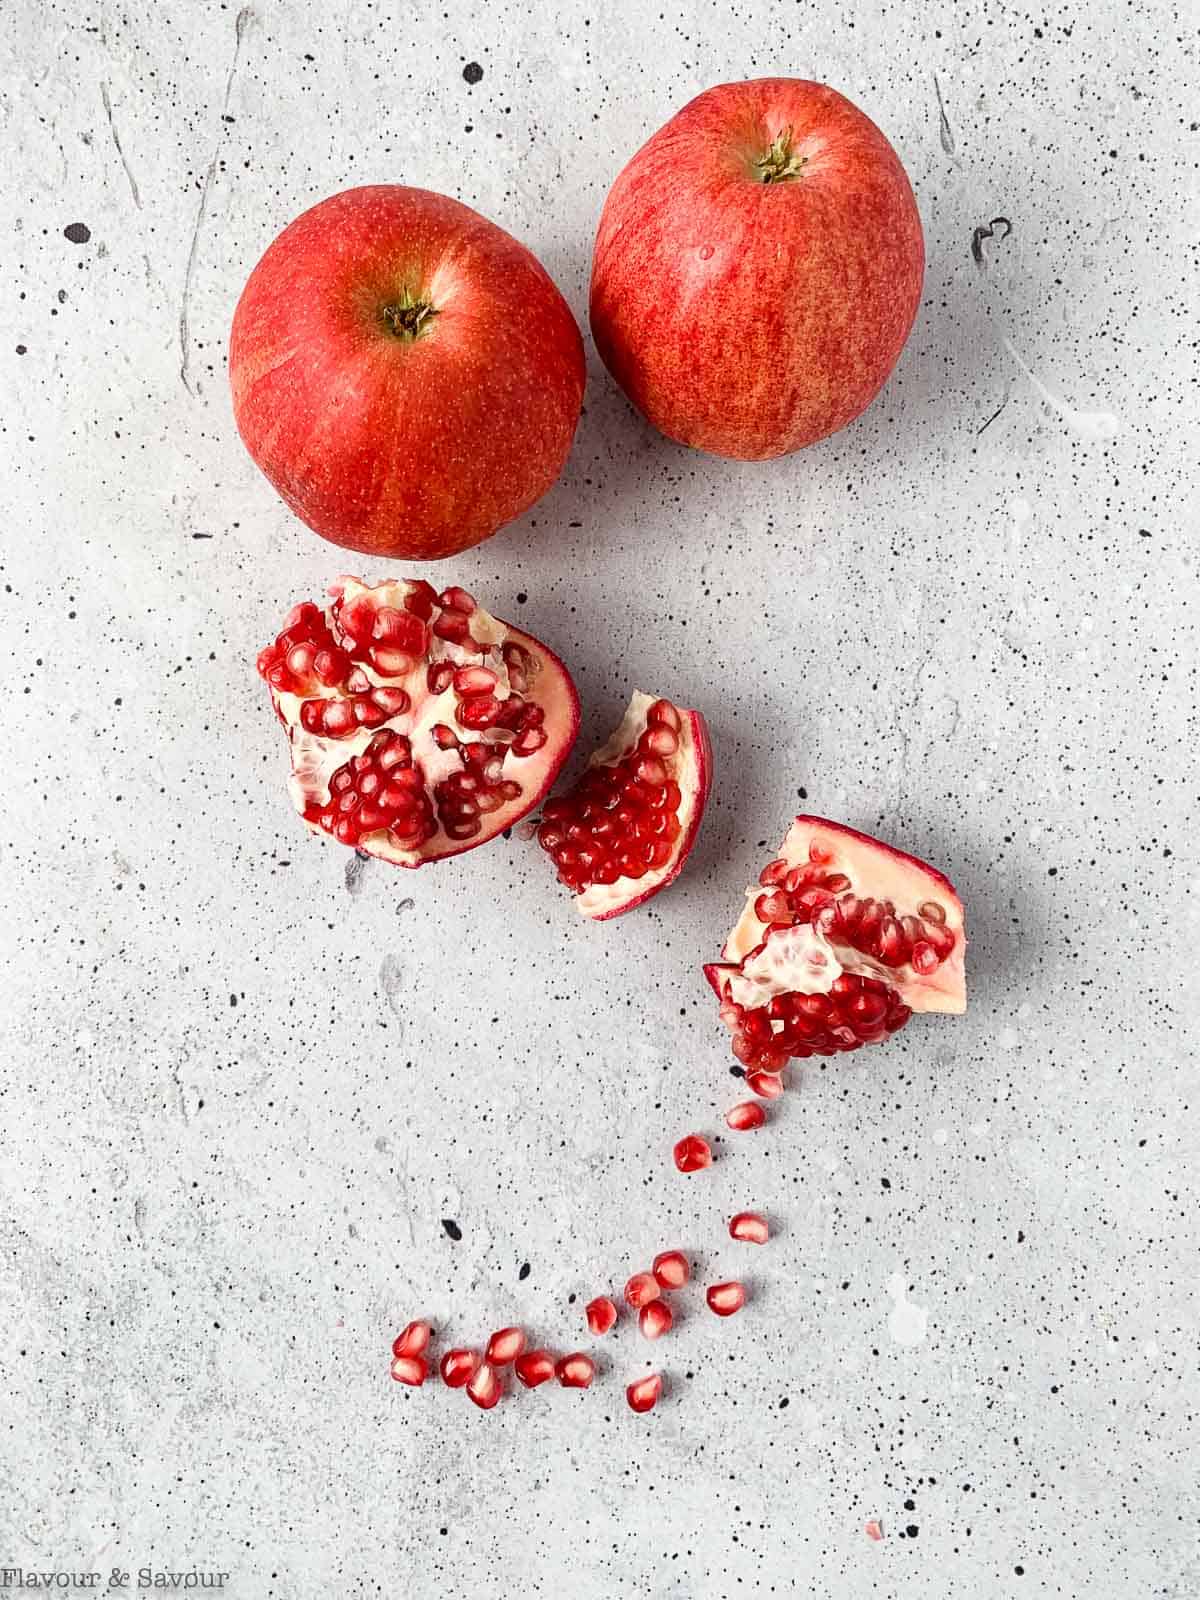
(240, 1089)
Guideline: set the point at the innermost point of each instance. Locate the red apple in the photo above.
(404, 372)
(757, 269)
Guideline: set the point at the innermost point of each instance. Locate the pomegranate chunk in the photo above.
(534, 1367)
(458, 1367)
(484, 1387)
(623, 832)
(412, 1370)
(749, 1227)
(601, 1314)
(504, 1346)
(641, 1289)
(747, 1114)
(671, 1270)
(726, 1298)
(655, 1319)
(575, 1371)
(419, 725)
(692, 1153)
(841, 941)
(644, 1392)
(413, 1341)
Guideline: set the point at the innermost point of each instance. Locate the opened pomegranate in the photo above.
(419, 725)
(842, 939)
(624, 831)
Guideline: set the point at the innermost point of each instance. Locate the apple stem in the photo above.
(407, 317)
(779, 163)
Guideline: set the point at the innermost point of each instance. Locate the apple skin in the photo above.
(745, 317)
(395, 442)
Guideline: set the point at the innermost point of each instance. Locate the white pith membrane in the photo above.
(803, 959)
(316, 758)
(686, 768)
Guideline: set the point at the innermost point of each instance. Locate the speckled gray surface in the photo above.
(241, 1089)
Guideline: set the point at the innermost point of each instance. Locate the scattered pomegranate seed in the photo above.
(534, 1367)
(873, 1530)
(412, 1370)
(413, 1341)
(601, 1314)
(671, 1270)
(655, 1319)
(747, 1114)
(692, 1153)
(575, 1371)
(643, 1394)
(504, 1346)
(726, 1298)
(749, 1227)
(484, 1387)
(766, 1085)
(641, 1289)
(458, 1367)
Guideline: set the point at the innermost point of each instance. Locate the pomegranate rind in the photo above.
(692, 771)
(315, 758)
(875, 869)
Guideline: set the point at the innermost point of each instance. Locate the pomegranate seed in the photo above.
(640, 1290)
(820, 852)
(504, 1346)
(412, 1370)
(457, 599)
(458, 1367)
(534, 1367)
(601, 1314)
(873, 1530)
(413, 1341)
(484, 1387)
(924, 958)
(575, 1371)
(747, 1114)
(767, 1085)
(655, 1319)
(671, 1270)
(692, 1153)
(726, 1298)
(643, 1394)
(665, 715)
(931, 911)
(749, 1227)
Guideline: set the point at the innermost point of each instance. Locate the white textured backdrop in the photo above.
(240, 1089)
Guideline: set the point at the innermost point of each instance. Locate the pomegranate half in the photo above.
(842, 939)
(624, 831)
(419, 726)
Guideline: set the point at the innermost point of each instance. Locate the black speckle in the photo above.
(472, 72)
(736, 1072)
(77, 232)
(911, 1530)
(21, 349)
(521, 599)
(233, 1000)
(524, 1272)
(783, 1404)
(803, 793)
(886, 1182)
(452, 1229)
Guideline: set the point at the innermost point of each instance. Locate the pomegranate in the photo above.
(458, 1367)
(842, 939)
(692, 1153)
(624, 831)
(601, 1314)
(484, 1387)
(750, 1227)
(746, 1114)
(726, 1298)
(643, 1393)
(655, 1319)
(413, 1340)
(534, 1367)
(504, 1346)
(641, 1289)
(671, 1269)
(412, 1370)
(575, 1371)
(419, 725)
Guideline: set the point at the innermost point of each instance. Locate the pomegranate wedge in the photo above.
(624, 831)
(419, 725)
(842, 939)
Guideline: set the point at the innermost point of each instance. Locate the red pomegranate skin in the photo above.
(749, 318)
(389, 440)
